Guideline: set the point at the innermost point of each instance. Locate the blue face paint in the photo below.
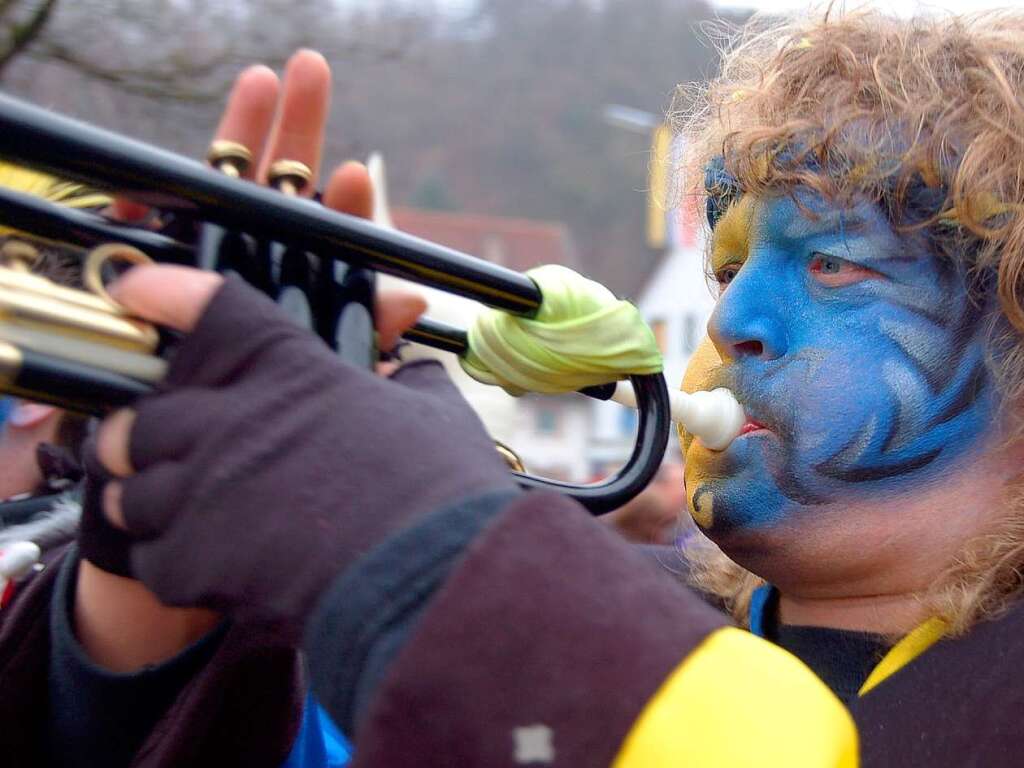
(857, 349)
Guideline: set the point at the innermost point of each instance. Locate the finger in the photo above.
(147, 503)
(112, 442)
(166, 294)
(166, 427)
(99, 541)
(298, 129)
(28, 415)
(396, 312)
(246, 120)
(112, 509)
(249, 114)
(350, 190)
(165, 563)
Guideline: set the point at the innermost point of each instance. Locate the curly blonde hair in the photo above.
(924, 117)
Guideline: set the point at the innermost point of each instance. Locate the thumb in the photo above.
(166, 294)
(396, 312)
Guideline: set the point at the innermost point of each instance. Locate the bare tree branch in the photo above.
(175, 83)
(25, 33)
(6, 6)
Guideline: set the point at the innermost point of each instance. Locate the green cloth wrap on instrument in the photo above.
(582, 336)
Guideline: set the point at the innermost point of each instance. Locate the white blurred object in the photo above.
(17, 559)
(381, 212)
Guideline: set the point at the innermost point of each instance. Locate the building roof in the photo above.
(518, 244)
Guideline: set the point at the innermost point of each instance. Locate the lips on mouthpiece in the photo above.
(751, 426)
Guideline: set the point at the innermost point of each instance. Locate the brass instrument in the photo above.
(58, 344)
(78, 349)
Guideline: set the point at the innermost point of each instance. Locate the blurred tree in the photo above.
(432, 193)
(22, 23)
(164, 50)
(508, 100)
(160, 70)
(494, 105)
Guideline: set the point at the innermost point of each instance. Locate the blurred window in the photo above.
(660, 333)
(690, 334)
(546, 421)
(627, 421)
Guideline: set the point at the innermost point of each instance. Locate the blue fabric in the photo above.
(6, 405)
(319, 744)
(758, 602)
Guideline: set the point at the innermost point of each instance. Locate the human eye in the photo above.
(726, 274)
(833, 272)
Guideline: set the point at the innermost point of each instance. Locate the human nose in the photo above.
(746, 322)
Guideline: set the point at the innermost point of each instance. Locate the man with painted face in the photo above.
(865, 187)
(869, 321)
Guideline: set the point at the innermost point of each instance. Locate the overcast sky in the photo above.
(905, 7)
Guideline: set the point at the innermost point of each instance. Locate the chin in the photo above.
(732, 490)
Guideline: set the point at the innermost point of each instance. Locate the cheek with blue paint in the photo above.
(857, 354)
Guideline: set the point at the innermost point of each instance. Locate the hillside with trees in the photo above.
(493, 107)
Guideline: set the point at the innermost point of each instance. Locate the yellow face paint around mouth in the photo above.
(698, 376)
(702, 510)
(730, 246)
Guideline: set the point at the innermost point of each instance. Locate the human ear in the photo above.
(26, 415)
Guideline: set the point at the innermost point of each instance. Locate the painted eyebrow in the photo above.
(834, 223)
(845, 223)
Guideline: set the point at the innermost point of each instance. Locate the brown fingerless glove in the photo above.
(266, 466)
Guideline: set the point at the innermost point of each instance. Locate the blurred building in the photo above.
(676, 301)
(519, 244)
(550, 434)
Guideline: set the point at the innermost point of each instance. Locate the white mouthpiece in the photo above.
(715, 417)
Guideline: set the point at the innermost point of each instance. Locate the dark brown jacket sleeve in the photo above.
(548, 635)
(242, 709)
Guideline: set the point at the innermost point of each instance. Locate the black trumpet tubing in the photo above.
(65, 383)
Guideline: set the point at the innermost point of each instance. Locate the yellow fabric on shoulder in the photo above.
(738, 700)
(905, 651)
